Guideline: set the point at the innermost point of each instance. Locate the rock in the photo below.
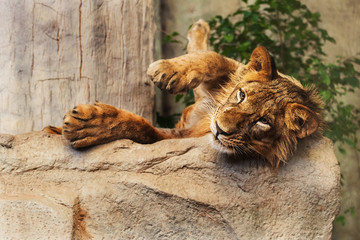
(6, 140)
(173, 189)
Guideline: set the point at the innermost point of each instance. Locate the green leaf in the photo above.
(342, 151)
(326, 95)
(332, 40)
(246, 13)
(229, 37)
(341, 219)
(170, 38)
(354, 82)
(350, 142)
(166, 39)
(324, 76)
(326, 79)
(178, 97)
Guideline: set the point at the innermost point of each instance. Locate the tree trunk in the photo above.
(56, 54)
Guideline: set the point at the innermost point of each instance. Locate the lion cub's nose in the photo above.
(220, 131)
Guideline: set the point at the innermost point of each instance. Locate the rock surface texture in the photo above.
(173, 189)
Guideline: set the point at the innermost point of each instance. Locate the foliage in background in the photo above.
(170, 121)
(347, 212)
(291, 32)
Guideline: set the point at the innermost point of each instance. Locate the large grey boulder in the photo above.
(173, 189)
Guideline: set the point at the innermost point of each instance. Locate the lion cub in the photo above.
(252, 109)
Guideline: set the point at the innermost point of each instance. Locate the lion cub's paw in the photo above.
(172, 77)
(87, 125)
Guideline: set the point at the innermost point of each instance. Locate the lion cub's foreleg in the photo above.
(87, 125)
(199, 66)
(182, 73)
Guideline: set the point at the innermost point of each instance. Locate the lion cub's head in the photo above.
(264, 112)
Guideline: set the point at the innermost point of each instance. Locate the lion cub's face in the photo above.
(263, 113)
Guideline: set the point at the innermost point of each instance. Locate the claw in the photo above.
(170, 84)
(158, 84)
(163, 76)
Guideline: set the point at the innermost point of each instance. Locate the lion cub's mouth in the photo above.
(217, 140)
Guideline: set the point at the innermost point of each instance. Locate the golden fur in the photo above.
(251, 110)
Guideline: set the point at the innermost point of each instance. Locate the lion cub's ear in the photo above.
(262, 62)
(301, 120)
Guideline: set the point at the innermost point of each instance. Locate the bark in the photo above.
(56, 54)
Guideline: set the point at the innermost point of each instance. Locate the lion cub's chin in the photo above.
(215, 143)
(218, 146)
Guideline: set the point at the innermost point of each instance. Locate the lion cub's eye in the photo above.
(241, 96)
(263, 120)
(263, 123)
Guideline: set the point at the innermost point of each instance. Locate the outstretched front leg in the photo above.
(182, 73)
(199, 66)
(87, 125)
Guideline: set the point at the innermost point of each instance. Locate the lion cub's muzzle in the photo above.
(220, 131)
